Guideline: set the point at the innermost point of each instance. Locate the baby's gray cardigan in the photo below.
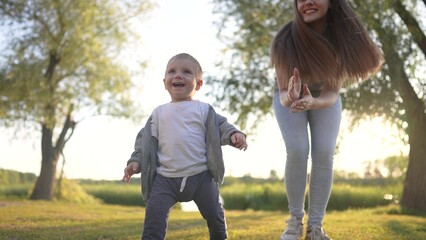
(218, 133)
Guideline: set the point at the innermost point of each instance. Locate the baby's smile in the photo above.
(178, 84)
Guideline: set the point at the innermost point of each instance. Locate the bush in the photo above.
(8, 177)
(268, 196)
(116, 193)
(71, 191)
(238, 193)
(345, 196)
(15, 191)
(272, 196)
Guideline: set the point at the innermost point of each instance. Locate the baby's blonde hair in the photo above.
(199, 70)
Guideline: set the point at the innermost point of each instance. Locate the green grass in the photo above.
(22, 219)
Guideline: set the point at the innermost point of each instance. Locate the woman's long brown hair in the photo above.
(345, 53)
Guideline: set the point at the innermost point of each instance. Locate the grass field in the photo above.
(22, 219)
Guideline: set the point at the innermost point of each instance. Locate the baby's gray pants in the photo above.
(166, 193)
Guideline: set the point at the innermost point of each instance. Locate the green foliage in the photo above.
(272, 196)
(245, 86)
(14, 177)
(268, 196)
(397, 93)
(262, 194)
(71, 191)
(17, 185)
(248, 180)
(15, 191)
(345, 196)
(65, 58)
(396, 166)
(238, 193)
(385, 94)
(116, 193)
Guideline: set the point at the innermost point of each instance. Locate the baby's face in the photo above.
(180, 79)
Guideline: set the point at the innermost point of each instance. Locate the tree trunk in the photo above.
(43, 189)
(414, 193)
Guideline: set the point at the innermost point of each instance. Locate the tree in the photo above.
(62, 59)
(397, 93)
(396, 166)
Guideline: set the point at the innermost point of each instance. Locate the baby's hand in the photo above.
(239, 141)
(131, 169)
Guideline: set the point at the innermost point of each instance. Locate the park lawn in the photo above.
(55, 220)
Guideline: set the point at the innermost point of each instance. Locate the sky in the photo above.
(100, 146)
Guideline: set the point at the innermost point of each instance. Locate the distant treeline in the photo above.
(15, 177)
(340, 177)
(238, 193)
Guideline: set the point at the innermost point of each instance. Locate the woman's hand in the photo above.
(304, 104)
(292, 93)
(294, 86)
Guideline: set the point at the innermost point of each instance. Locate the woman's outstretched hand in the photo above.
(294, 86)
(304, 104)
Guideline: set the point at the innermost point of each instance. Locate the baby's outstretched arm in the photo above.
(239, 141)
(131, 169)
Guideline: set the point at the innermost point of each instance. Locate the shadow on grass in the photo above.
(75, 230)
(413, 212)
(399, 228)
(241, 225)
(395, 209)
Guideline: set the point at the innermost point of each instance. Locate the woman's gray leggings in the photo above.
(323, 128)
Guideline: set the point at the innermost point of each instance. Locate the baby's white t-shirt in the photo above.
(180, 128)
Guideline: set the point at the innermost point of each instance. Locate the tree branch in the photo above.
(69, 124)
(412, 25)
